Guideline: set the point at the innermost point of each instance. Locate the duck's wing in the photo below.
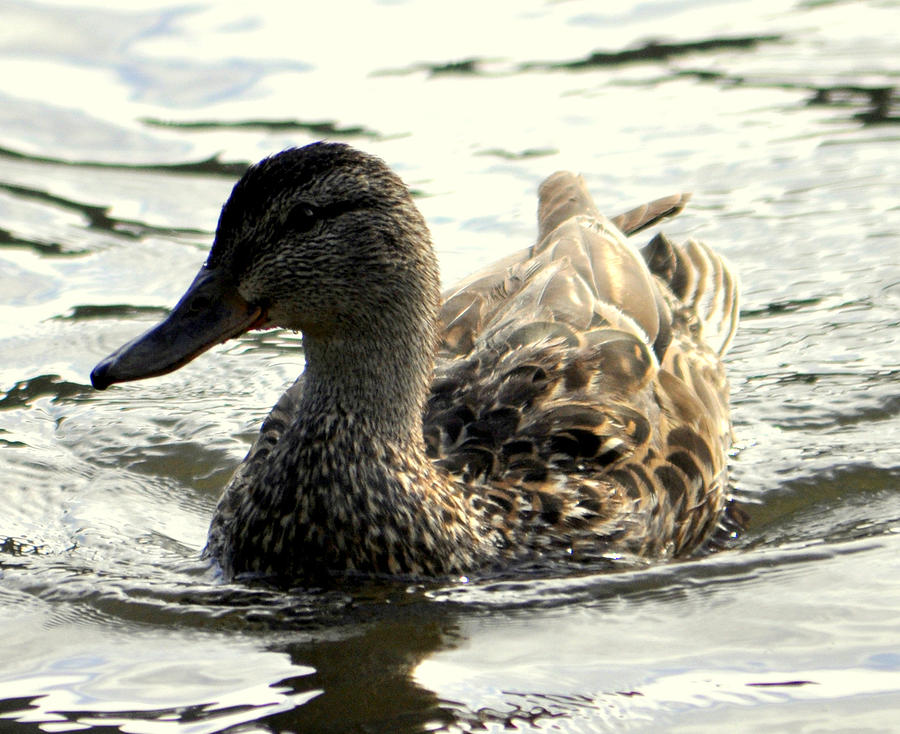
(575, 385)
(468, 305)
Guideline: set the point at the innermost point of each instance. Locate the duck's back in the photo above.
(579, 393)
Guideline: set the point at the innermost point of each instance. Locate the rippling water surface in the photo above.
(121, 133)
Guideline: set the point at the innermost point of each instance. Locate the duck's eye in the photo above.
(301, 218)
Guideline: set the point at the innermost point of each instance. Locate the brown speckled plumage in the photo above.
(568, 402)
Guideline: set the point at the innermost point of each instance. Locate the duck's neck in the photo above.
(352, 469)
(373, 380)
(375, 363)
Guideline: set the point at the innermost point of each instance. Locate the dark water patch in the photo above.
(98, 217)
(13, 444)
(325, 128)
(822, 506)
(780, 307)
(25, 392)
(367, 678)
(208, 166)
(880, 103)
(881, 407)
(463, 66)
(858, 304)
(22, 705)
(190, 463)
(871, 105)
(782, 684)
(8, 705)
(19, 547)
(111, 311)
(50, 249)
(816, 4)
(654, 51)
(518, 155)
(848, 141)
(472, 67)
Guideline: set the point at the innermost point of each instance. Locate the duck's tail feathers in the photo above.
(703, 281)
(646, 215)
(565, 195)
(561, 196)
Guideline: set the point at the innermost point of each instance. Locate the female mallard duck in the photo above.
(566, 402)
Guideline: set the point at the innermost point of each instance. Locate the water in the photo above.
(121, 133)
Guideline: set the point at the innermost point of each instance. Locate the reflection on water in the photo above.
(121, 133)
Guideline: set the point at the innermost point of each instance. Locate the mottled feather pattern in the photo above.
(559, 389)
(576, 411)
(408, 526)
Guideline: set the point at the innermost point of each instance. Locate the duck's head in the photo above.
(323, 239)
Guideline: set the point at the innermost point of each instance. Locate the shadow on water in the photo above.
(350, 655)
(337, 685)
(337, 660)
(839, 504)
(334, 660)
(366, 681)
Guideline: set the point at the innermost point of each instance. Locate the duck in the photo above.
(567, 403)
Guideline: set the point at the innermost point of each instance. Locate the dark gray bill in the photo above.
(209, 313)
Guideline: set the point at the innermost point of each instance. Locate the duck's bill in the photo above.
(209, 313)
